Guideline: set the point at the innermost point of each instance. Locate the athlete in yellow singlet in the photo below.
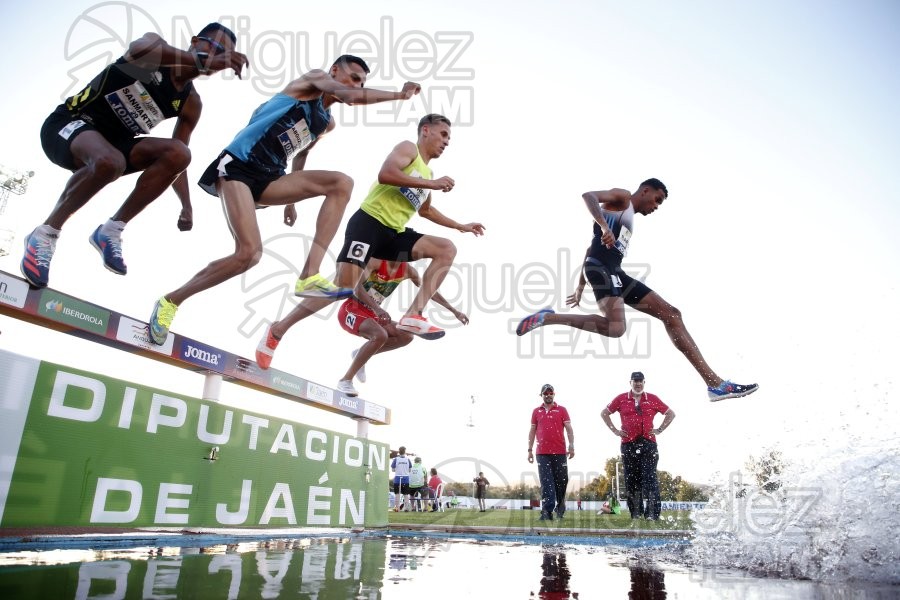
(378, 230)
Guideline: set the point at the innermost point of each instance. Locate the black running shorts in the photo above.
(609, 281)
(367, 237)
(59, 131)
(233, 169)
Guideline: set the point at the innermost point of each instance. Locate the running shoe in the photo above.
(728, 389)
(316, 286)
(545, 516)
(110, 248)
(161, 320)
(36, 261)
(418, 325)
(361, 374)
(266, 348)
(346, 386)
(533, 321)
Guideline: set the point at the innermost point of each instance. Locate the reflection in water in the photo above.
(555, 577)
(647, 582)
(390, 568)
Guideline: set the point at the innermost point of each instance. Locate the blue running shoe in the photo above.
(728, 389)
(36, 262)
(110, 248)
(533, 321)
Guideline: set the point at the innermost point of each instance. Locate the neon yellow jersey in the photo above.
(394, 206)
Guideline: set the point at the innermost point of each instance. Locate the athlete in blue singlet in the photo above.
(613, 213)
(100, 134)
(250, 173)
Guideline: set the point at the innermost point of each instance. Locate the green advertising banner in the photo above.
(353, 569)
(82, 449)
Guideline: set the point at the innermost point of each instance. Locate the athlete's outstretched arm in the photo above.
(362, 295)
(435, 216)
(151, 51)
(316, 82)
(298, 163)
(184, 127)
(575, 298)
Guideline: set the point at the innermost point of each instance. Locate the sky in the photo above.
(774, 126)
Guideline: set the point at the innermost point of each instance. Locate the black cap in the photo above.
(637, 376)
(546, 387)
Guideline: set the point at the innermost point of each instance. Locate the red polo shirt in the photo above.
(636, 423)
(549, 434)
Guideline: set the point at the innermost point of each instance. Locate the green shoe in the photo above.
(161, 320)
(316, 286)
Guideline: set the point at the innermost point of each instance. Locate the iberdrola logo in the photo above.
(54, 306)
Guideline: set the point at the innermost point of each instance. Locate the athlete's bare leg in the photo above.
(654, 305)
(441, 252)
(99, 162)
(610, 325)
(240, 213)
(348, 276)
(381, 339)
(162, 161)
(335, 186)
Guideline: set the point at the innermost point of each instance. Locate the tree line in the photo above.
(671, 488)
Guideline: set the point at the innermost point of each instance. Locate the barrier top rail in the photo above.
(52, 309)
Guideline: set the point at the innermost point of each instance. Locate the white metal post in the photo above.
(212, 385)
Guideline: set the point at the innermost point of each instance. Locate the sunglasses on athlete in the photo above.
(219, 48)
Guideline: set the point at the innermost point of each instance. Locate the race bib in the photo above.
(415, 196)
(350, 320)
(135, 108)
(623, 241)
(616, 281)
(358, 251)
(67, 131)
(376, 295)
(295, 139)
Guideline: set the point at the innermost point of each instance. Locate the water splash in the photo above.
(832, 518)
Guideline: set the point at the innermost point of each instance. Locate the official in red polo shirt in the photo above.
(547, 423)
(639, 452)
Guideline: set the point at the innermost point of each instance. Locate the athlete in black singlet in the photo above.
(100, 134)
(613, 213)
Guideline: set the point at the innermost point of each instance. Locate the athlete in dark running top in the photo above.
(99, 135)
(613, 213)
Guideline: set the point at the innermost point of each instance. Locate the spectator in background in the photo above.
(417, 485)
(481, 484)
(401, 467)
(639, 452)
(433, 484)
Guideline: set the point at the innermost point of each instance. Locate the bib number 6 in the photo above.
(358, 251)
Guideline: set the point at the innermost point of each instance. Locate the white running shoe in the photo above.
(346, 386)
(361, 374)
(418, 325)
